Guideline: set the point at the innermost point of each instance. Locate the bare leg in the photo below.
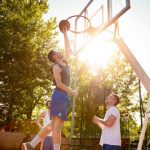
(41, 145)
(46, 130)
(40, 136)
(57, 126)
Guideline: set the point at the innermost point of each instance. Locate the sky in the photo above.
(134, 25)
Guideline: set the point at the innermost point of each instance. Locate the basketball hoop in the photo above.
(80, 24)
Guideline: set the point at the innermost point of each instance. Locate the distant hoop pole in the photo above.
(77, 17)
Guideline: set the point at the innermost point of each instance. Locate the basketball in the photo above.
(64, 25)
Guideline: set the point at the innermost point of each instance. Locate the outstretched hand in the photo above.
(95, 119)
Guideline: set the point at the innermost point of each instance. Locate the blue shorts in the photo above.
(60, 104)
(111, 147)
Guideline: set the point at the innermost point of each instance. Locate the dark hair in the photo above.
(116, 98)
(50, 56)
(47, 102)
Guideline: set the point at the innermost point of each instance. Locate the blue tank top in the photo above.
(65, 74)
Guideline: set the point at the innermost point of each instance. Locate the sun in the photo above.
(97, 54)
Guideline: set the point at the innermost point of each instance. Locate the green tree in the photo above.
(25, 40)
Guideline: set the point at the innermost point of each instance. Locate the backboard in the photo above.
(103, 13)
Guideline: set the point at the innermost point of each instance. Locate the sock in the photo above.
(35, 141)
(56, 146)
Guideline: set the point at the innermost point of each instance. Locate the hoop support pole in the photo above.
(134, 63)
(144, 126)
(75, 85)
(143, 78)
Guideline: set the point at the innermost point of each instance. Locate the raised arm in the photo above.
(67, 45)
(64, 26)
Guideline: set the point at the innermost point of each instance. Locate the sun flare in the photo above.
(97, 54)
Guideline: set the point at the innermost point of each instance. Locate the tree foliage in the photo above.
(25, 40)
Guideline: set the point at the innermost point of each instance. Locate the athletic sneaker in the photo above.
(27, 146)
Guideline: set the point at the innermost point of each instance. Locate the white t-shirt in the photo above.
(46, 121)
(111, 135)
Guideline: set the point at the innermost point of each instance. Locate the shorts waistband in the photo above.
(60, 90)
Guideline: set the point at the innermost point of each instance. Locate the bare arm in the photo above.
(67, 45)
(56, 73)
(102, 123)
(41, 116)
